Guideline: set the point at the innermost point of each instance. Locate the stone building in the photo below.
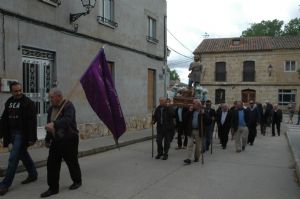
(257, 68)
(42, 45)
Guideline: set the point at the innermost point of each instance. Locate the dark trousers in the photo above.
(223, 133)
(66, 149)
(277, 127)
(262, 128)
(208, 136)
(181, 131)
(163, 137)
(252, 133)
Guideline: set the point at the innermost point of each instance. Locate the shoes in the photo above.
(238, 151)
(178, 148)
(75, 185)
(243, 148)
(48, 193)
(224, 147)
(196, 160)
(184, 147)
(251, 144)
(3, 191)
(165, 157)
(29, 179)
(158, 156)
(187, 161)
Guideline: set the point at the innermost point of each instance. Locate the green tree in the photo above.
(264, 28)
(292, 28)
(174, 75)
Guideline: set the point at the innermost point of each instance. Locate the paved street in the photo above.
(264, 171)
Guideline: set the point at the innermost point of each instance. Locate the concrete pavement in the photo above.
(263, 171)
(86, 147)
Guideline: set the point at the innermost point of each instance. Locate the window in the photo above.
(220, 74)
(152, 30)
(249, 71)
(106, 13)
(286, 95)
(290, 66)
(220, 96)
(236, 42)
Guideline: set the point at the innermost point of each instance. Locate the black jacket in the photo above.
(184, 110)
(168, 123)
(227, 122)
(28, 121)
(65, 125)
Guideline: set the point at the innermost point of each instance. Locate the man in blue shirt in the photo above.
(239, 125)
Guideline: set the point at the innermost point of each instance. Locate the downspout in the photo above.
(3, 44)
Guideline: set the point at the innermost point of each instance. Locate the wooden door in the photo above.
(248, 95)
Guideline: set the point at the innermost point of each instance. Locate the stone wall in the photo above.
(93, 130)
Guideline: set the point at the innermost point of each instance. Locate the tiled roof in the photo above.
(242, 44)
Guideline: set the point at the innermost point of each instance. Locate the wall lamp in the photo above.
(88, 5)
(270, 68)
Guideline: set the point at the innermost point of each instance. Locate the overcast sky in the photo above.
(190, 20)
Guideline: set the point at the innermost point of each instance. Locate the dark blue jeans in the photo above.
(19, 152)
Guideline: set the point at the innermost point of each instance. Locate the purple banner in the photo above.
(101, 94)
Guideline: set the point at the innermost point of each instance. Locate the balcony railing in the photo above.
(107, 21)
(220, 76)
(249, 76)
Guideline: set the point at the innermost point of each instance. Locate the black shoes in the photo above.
(243, 148)
(48, 193)
(187, 161)
(75, 185)
(165, 157)
(3, 191)
(196, 160)
(29, 179)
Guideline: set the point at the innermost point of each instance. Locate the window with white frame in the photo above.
(152, 30)
(290, 66)
(106, 13)
(285, 96)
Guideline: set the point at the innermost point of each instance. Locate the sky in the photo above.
(190, 21)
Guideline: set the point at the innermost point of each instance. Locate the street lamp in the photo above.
(270, 68)
(88, 5)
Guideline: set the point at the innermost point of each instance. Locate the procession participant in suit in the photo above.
(195, 130)
(163, 117)
(254, 119)
(276, 119)
(181, 127)
(223, 119)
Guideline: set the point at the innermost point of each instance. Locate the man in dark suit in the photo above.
(209, 121)
(181, 127)
(223, 119)
(254, 119)
(276, 119)
(163, 116)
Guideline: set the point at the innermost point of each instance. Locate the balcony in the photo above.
(107, 22)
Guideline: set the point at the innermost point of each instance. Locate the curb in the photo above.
(294, 154)
(93, 151)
